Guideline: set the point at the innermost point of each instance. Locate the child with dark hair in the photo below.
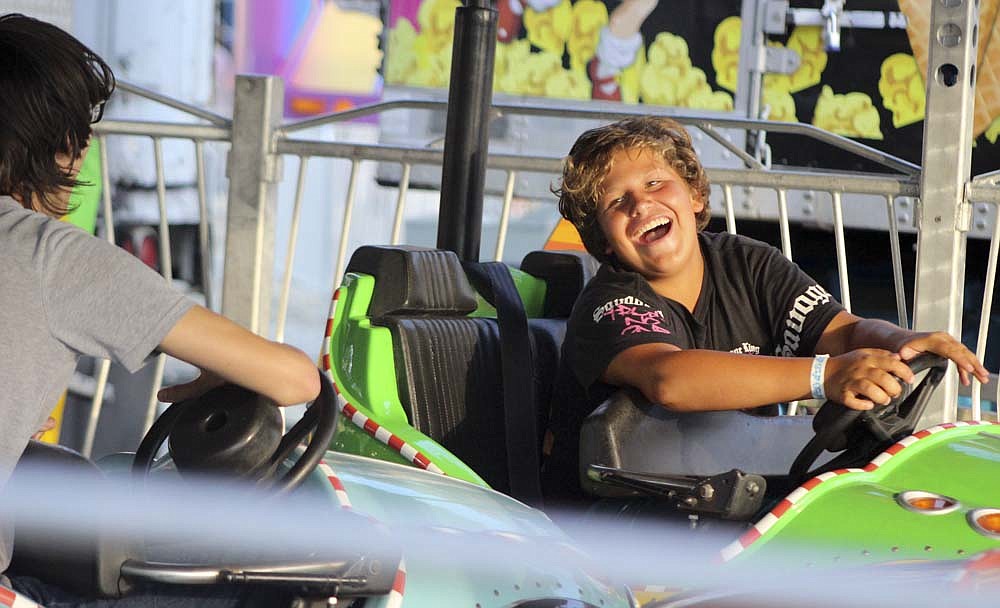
(701, 321)
(66, 293)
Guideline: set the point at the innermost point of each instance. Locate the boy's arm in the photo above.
(224, 350)
(847, 332)
(695, 380)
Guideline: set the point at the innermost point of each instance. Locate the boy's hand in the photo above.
(189, 390)
(864, 377)
(944, 344)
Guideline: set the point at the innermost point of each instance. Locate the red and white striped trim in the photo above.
(761, 527)
(12, 599)
(395, 599)
(897, 447)
(338, 487)
(363, 422)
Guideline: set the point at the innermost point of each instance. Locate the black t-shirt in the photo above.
(753, 301)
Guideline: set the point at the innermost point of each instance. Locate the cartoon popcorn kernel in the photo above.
(808, 43)
(437, 21)
(669, 78)
(901, 86)
(726, 52)
(589, 16)
(781, 106)
(850, 114)
(549, 29)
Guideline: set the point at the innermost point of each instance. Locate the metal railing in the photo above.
(254, 166)
(156, 132)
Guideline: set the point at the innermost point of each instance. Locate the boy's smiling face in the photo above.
(647, 213)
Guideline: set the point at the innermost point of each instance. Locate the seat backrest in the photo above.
(447, 363)
(565, 274)
(87, 562)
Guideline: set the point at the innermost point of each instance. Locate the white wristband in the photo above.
(816, 376)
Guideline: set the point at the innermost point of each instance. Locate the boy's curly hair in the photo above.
(589, 162)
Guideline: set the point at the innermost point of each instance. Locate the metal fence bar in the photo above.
(984, 316)
(166, 269)
(203, 244)
(861, 183)
(210, 116)
(748, 159)
(982, 192)
(373, 109)
(166, 259)
(838, 233)
(404, 187)
(783, 227)
(345, 230)
(508, 196)
(104, 365)
(293, 239)
(806, 130)
(727, 197)
(858, 183)
(897, 263)
(172, 130)
(703, 121)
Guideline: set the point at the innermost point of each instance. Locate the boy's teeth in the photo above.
(654, 225)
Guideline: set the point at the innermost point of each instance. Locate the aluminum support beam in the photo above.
(253, 170)
(944, 217)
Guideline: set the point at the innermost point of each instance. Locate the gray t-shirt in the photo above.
(64, 293)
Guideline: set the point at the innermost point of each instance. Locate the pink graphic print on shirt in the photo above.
(639, 321)
(634, 315)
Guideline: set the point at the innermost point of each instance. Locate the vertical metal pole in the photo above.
(838, 235)
(749, 82)
(727, 197)
(897, 263)
(167, 270)
(944, 213)
(508, 197)
(786, 234)
(104, 366)
(984, 316)
(203, 244)
(253, 172)
(345, 225)
(293, 240)
(463, 175)
(404, 187)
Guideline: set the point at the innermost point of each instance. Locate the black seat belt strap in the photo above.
(493, 281)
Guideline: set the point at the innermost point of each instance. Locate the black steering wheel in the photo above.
(233, 431)
(838, 426)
